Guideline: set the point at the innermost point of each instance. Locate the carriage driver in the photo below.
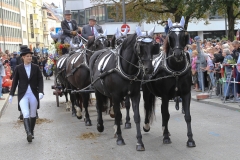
(70, 29)
(88, 31)
(29, 80)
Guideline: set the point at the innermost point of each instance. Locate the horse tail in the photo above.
(105, 103)
(151, 108)
(149, 105)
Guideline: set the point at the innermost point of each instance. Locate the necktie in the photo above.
(92, 31)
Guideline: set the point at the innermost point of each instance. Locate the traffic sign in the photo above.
(124, 26)
(57, 29)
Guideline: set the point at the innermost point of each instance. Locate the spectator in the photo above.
(2, 74)
(228, 70)
(13, 61)
(166, 28)
(194, 70)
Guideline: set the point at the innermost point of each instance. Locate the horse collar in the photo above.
(176, 73)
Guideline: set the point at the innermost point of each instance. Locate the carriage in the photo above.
(120, 73)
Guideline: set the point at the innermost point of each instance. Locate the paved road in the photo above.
(216, 133)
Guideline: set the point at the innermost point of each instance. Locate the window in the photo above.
(24, 34)
(101, 13)
(22, 6)
(23, 20)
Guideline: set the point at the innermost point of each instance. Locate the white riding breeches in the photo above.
(28, 105)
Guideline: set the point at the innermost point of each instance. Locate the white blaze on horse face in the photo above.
(177, 33)
(170, 24)
(182, 22)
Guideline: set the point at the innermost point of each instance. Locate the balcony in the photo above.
(35, 16)
(34, 3)
(37, 31)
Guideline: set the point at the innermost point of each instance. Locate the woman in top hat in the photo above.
(29, 80)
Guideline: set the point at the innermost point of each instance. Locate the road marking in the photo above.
(177, 119)
(214, 134)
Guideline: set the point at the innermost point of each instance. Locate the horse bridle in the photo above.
(172, 29)
(139, 40)
(120, 41)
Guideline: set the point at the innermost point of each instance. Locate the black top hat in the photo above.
(67, 12)
(25, 51)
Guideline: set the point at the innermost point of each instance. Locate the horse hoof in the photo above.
(140, 147)
(167, 141)
(127, 125)
(79, 117)
(191, 144)
(183, 111)
(168, 134)
(88, 123)
(100, 128)
(177, 107)
(74, 115)
(120, 142)
(146, 130)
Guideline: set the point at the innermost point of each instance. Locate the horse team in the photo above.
(118, 72)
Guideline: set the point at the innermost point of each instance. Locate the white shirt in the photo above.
(28, 71)
(70, 25)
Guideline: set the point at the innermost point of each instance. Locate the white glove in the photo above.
(10, 99)
(40, 96)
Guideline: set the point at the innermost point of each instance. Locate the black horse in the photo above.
(78, 73)
(117, 74)
(171, 77)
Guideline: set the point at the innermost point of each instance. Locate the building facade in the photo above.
(81, 10)
(10, 22)
(23, 18)
(50, 19)
(34, 23)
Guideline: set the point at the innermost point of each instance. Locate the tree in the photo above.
(159, 10)
(230, 7)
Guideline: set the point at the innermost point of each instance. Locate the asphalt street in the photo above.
(60, 136)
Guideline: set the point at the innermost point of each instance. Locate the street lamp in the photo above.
(123, 10)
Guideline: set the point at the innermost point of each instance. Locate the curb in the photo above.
(217, 104)
(4, 106)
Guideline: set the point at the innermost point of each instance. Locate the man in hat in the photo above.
(88, 30)
(69, 26)
(13, 61)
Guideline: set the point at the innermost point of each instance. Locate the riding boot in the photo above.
(27, 128)
(37, 115)
(32, 123)
(21, 116)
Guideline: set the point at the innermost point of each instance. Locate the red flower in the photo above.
(61, 46)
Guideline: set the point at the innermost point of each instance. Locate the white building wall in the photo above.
(24, 25)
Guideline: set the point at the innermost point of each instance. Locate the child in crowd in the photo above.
(194, 70)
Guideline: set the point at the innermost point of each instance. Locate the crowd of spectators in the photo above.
(218, 61)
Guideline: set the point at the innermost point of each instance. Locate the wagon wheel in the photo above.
(56, 90)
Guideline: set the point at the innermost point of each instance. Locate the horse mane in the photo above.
(90, 42)
(166, 45)
(113, 41)
(129, 41)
